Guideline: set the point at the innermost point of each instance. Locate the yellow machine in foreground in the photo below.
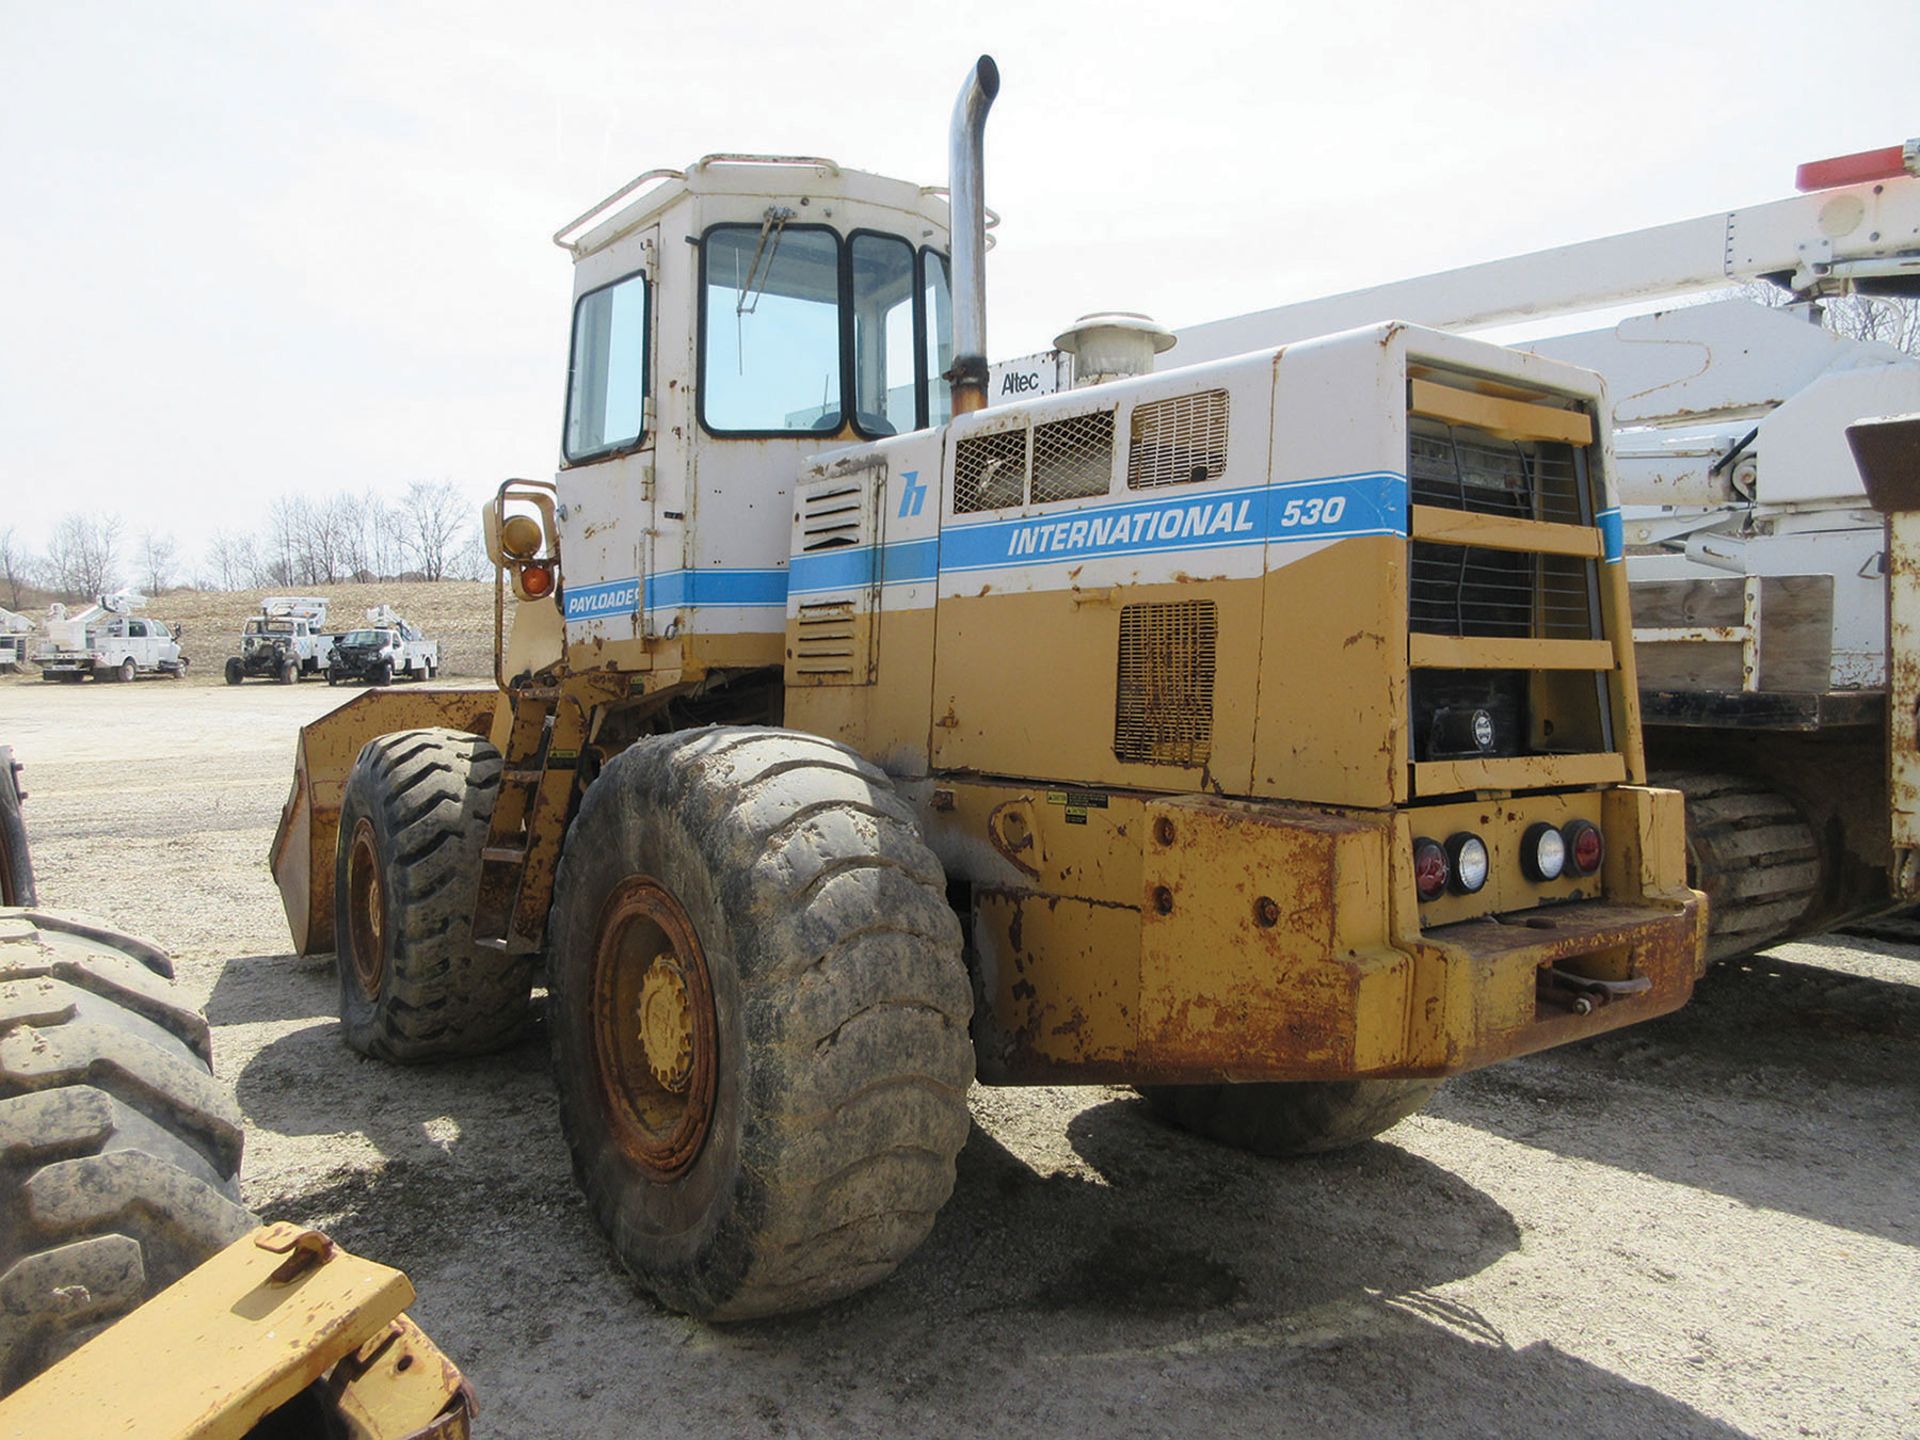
(1262, 734)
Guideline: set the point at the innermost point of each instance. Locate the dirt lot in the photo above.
(1703, 1226)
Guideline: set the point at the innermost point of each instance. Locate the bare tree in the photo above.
(433, 515)
(156, 561)
(17, 567)
(1887, 319)
(84, 555)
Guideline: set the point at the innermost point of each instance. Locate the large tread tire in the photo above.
(840, 1007)
(119, 1152)
(16, 861)
(426, 797)
(1751, 851)
(1296, 1118)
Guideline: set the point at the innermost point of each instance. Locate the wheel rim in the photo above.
(366, 911)
(655, 1036)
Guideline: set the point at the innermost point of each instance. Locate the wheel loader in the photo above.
(1260, 734)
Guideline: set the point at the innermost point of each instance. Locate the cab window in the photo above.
(607, 375)
(884, 352)
(770, 330)
(937, 291)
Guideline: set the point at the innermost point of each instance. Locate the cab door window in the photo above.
(607, 379)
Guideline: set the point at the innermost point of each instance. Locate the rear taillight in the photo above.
(1467, 859)
(1543, 852)
(1585, 848)
(1430, 869)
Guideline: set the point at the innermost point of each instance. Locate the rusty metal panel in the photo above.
(1903, 698)
(1263, 946)
(237, 1338)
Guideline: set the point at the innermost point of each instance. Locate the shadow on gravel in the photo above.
(1784, 1085)
(1177, 1287)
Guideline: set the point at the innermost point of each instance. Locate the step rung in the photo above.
(522, 777)
(503, 854)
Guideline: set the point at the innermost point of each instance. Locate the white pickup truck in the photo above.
(109, 647)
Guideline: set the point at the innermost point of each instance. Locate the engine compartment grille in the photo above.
(1164, 711)
(1461, 468)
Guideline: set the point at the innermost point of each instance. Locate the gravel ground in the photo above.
(1702, 1226)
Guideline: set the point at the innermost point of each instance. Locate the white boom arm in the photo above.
(1814, 244)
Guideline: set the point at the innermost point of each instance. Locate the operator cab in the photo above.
(735, 318)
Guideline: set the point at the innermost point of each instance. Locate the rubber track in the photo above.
(1753, 853)
(854, 999)
(443, 996)
(119, 1153)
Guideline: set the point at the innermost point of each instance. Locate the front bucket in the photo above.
(323, 756)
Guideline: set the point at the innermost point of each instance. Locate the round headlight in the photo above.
(1543, 853)
(1585, 848)
(1430, 869)
(520, 536)
(1467, 858)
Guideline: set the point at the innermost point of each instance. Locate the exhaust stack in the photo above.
(967, 380)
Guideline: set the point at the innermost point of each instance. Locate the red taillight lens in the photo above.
(536, 580)
(1430, 869)
(1585, 848)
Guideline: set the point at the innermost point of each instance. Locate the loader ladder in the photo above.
(541, 755)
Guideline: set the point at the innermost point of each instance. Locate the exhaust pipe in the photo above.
(967, 213)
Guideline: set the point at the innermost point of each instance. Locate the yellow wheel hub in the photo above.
(666, 1023)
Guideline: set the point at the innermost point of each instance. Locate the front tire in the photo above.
(759, 1015)
(382, 674)
(1290, 1118)
(413, 985)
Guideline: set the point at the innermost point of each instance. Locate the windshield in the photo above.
(269, 627)
(364, 637)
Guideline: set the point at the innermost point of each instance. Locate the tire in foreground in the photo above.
(119, 1152)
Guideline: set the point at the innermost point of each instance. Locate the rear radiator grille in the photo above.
(1460, 468)
(1469, 590)
(1178, 440)
(1164, 710)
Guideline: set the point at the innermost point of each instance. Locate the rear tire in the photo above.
(1290, 1118)
(120, 1169)
(1753, 853)
(819, 1002)
(413, 820)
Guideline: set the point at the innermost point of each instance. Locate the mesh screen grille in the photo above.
(1465, 469)
(1178, 440)
(990, 471)
(1164, 711)
(1073, 458)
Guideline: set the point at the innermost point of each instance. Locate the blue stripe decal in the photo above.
(908, 563)
(1338, 508)
(691, 588)
(1613, 535)
(604, 601)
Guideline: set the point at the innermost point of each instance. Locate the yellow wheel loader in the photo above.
(1262, 734)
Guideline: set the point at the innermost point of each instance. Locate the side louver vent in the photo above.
(828, 642)
(1164, 710)
(1178, 440)
(832, 517)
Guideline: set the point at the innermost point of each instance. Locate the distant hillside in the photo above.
(457, 613)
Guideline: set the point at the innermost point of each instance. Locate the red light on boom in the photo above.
(1887, 164)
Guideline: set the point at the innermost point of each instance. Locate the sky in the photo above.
(252, 249)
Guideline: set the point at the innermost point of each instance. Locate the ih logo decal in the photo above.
(913, 496)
